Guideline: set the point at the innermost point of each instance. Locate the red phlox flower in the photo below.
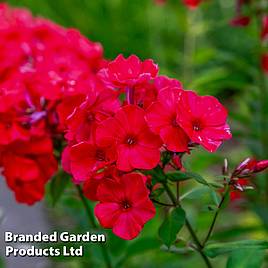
(146, 94)
(124, 205)
(27, 168)
(128, 72)
(91, 185)
(99, 105)
(11, 128)
(203, 118)
(90, 52)
(67, 106)
(163, 81)
(161, 117)
(136, 145)
(88, 158)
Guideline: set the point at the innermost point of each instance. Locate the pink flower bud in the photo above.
(242, 166)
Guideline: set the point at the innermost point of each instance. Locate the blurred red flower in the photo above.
(192, 4)
(240, 21)
(264, 63)
(264, 31)
(27, 168)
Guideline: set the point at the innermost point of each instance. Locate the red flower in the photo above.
(264, 32)
(86, 159)
(91, 185)
(264, 63)
(203, 119)
(124, 205)
(163, 81)
(27, 168)
(136, 145)
(240, 21)
(192, 4)
(99, 105)
(11, 128)
(128, 72)
(161, 117)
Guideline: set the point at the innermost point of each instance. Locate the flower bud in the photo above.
(248, 167)
(261, 165)
(177, 161)
(225, 167)
(242, 167)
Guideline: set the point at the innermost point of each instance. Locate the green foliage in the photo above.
(251, 258)
(213, 250)
(171, 226)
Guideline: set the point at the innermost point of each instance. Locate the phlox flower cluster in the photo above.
(124, 126)
(44, 70)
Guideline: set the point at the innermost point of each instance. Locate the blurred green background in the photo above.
(202, 50)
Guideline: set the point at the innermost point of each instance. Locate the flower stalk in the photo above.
(199, 247)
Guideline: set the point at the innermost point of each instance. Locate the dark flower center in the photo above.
(174, 121)
(130, 140)
(18, 183)
(126, 204)
(8, 125)
(197, 125)
(90, 117)
(100, 155)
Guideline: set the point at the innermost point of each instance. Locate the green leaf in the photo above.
(196, 193)
(178, 176)
(58, 185)
(213, 250)
(171, 226)
(182, 176)
(199, 178)
(215, 197)
(249, 258)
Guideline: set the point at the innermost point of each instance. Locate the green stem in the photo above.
(162, 203)
(93, 223)
(216, 216)
(198, 247)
